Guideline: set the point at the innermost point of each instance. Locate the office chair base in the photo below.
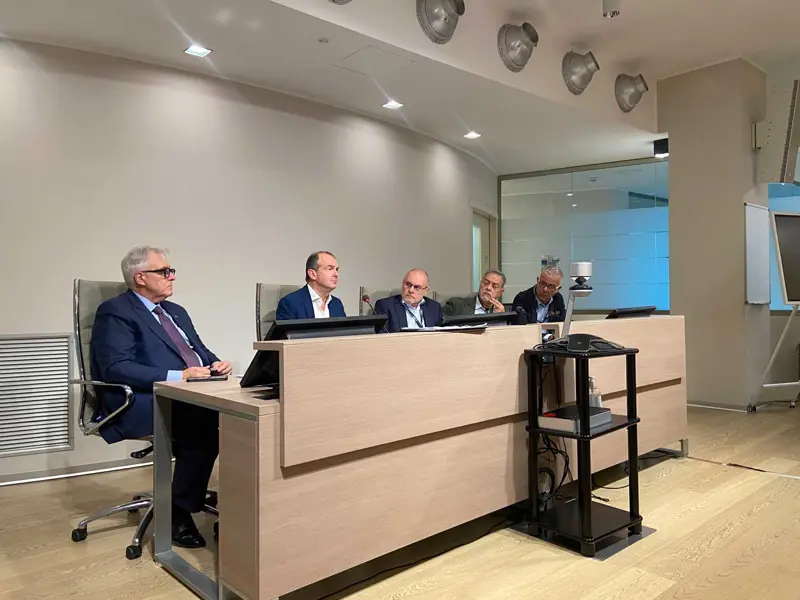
(81, 532)
(142, 496)
(140, 501)
(134, 551)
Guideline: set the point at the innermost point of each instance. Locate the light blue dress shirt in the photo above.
(417, 312)
(542, 310)
(171, 375)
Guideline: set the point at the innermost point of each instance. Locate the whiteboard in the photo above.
(757, 238)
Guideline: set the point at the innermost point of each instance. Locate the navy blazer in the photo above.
(527, 300)
(298, 305)
(130, 346)
(393, 308)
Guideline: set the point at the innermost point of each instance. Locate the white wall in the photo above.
(709, 115)
(98, 154)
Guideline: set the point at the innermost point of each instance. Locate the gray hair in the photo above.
(552, 270)
(312, 262)
(500, 274)
(135, 260)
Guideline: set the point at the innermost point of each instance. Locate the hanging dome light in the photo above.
(439, 18)
(578, 70)
(339, 1)
(628, 91)
(516, 44)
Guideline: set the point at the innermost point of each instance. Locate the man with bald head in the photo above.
(410, 309)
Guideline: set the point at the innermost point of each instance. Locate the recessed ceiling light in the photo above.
(472, 135)
(198, 51)
(393, 105)
(569, 193)
(574, 206)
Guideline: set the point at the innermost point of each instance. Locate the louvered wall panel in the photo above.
(34, 394)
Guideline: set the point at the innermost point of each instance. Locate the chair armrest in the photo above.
(92, 427)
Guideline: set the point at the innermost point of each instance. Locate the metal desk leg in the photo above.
(194, 579)
(685, 448)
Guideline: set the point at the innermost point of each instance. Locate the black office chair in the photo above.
(87, 296)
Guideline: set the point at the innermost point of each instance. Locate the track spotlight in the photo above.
(629, 90)
(578, 70)
(611, 8)
(516, 44)
(439, 18)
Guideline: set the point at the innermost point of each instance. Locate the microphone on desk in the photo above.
(365, 298)
(522, 316)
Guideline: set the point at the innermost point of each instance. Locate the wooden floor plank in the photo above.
(721, 533)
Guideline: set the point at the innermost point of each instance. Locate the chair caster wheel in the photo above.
(78, 535)
(133, 552)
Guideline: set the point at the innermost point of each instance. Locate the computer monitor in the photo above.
(264, 368)
(496, 318)
(631, 313)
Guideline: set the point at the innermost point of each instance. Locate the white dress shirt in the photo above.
(316, 301)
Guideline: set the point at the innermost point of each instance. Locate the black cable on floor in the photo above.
(652, 455)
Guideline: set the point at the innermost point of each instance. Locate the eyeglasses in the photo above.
(165, 272)
(414, 286)
(549, 286)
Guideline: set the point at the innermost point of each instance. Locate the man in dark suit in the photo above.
(315, 299)
(411, 308)
(486, 301)
(543, 303)
(139, 338)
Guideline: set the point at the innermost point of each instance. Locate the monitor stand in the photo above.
(777, 392)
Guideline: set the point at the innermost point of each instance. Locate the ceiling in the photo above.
(647, 179)
(665, 38)
(267, 44)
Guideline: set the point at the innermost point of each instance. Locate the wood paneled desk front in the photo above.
(381, 441)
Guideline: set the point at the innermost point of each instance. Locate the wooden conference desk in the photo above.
(380, 441)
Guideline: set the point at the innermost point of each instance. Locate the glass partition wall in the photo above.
(615, 217)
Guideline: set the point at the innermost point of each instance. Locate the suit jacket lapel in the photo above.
(194, 341)
(427, 315)
(308, 306)
(400, 313)
(144, 315)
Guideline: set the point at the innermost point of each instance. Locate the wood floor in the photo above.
(722, 532)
